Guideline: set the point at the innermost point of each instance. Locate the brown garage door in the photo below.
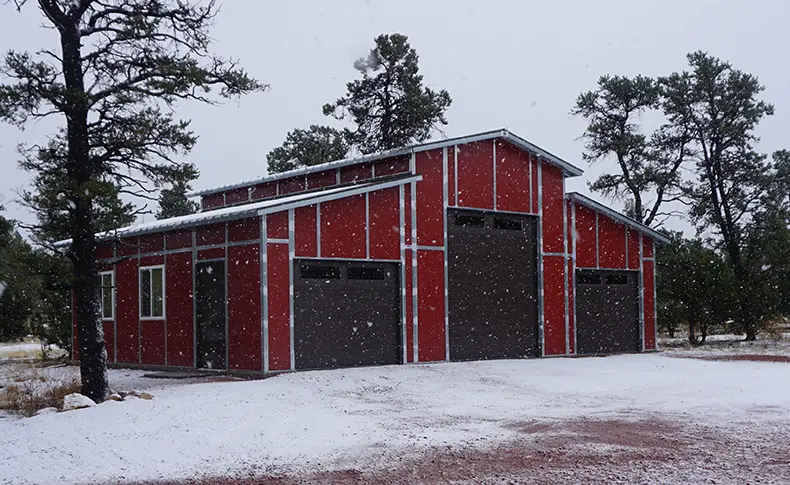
(492, 280)
(607, 311)
(346, 314)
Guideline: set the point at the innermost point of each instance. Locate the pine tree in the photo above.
(173, 200)
(304, 148)
(117, 71)
(390, 106)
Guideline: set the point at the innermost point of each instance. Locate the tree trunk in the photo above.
(703, 330)
(90, 334)
(692, 334)
(671, 330)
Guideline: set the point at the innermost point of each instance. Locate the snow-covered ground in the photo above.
(25, 350)
(724, 345)
(366, 418)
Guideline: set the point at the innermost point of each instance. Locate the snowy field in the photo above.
(627, 419)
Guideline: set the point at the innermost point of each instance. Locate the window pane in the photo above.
(107, 291)
(145, 293)
(158, 292)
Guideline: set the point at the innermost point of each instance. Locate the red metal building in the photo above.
(462, 249)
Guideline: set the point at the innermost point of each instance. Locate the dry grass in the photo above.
(34, 391)
(775, 329)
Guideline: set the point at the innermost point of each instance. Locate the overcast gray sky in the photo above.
(513, 64)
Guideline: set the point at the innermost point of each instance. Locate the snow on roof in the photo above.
(257, 208)
(597, 206)
(569, 169)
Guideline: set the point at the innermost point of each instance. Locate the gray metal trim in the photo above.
(194, 299)
(352, 260)
(515, 213)
(641, 296)
(164, 294)
(227, 302)
(655, 297)
(559, 255)
(598, 207)
(426, 248)
(455, 172)
(597, 244)
(402, 237)
(264, 261)
(318, 229)
(337, 176)
(291, 257)
(139, 315)
(114, 309)
(493, 162)
(415, 310)
(565, 270)
(277, 241)
(531, 185)
(541, 299)
(367, 226)
(649, 259)
(445, 182)
(575, 302)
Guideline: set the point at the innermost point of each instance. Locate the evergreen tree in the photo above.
(20, 287)
(119, 69)
(304, 148)
(647, 163)
(173, 200)
(389, 106)
(720, 107)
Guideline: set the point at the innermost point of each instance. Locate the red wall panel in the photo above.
(104, 250)
(180, 340)
(343, 227)
(554, 305)
(215, 253)
(264, 190)
(407, 211)
(277, 225)
(571, 307)
(650, 309)
(211, 234)
(633, 249)
(534, 200)
(109, 341)
(553, 229)
(244, 230)
(127, 313)
(244, 309)
(451, 176)
(392, 166)
(585, 237)
(291, 185)
(611, 243)
(383, 206)
(305, 236)
(430, 199)
(179, 239)
(321, 179)
(512, 178)
(476, 175)
(354, 173)
(277, 267)
(152, 260)
(236, 196)
(409, 307)
(212, 201)
(127, 247)
(430, 309)
(152, 342)
(647, 247)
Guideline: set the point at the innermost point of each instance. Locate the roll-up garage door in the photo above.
(607, 311)
(346, 314)
(492, 280)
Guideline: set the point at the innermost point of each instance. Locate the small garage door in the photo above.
(492, 280)
(607, 306)
(346, 314)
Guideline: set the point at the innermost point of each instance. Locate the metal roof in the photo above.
(569, 169)
(597, 206)
(256, 208)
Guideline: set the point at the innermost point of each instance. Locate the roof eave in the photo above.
(622, 218)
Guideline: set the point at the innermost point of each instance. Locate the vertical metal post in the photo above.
(227, 304)
(541, 299)
(194, 299)
(291, 255)
(367, 225)
(263, 257)
(318, 229)
(414, 280)
(641, 295)
(565, 261)
(446, 245)
(573, 272)
(493, 150)
(597, 243)
(402, 236)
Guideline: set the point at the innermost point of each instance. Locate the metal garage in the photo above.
(608, 311)
(346, 314)
(492, 277)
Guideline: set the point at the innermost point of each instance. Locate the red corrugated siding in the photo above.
(277, 225)
(571, 307)
(244, 309)
(244, 230)
(512, 178)
(476, 175)
(211, 234)
(291, 185)
(179, 239)
(633, 249)
(237, 196)
(611, 243)
(585, 237)
(430, 301)
(305, 237)
(392, 166)
(215, 253)
(451, 176)
(212, 201)
(554, 305)
(127, 247)
(354, 173)
(321, 179)
(553, 238)
(534, 200)
(407, 211)
(383, 206)
(430, 197)
(262, 191)
(152, 260)
(109, 342)
(178, 282)
(650, 315)
(343, 228)
(104, 250)
(152, 342)
(279, 307)
(126, 307)
(647, 247)
(409, 308)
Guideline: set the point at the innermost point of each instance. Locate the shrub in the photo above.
(36, 391)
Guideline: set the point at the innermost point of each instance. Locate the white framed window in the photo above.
(107, 295)
(152, 292)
